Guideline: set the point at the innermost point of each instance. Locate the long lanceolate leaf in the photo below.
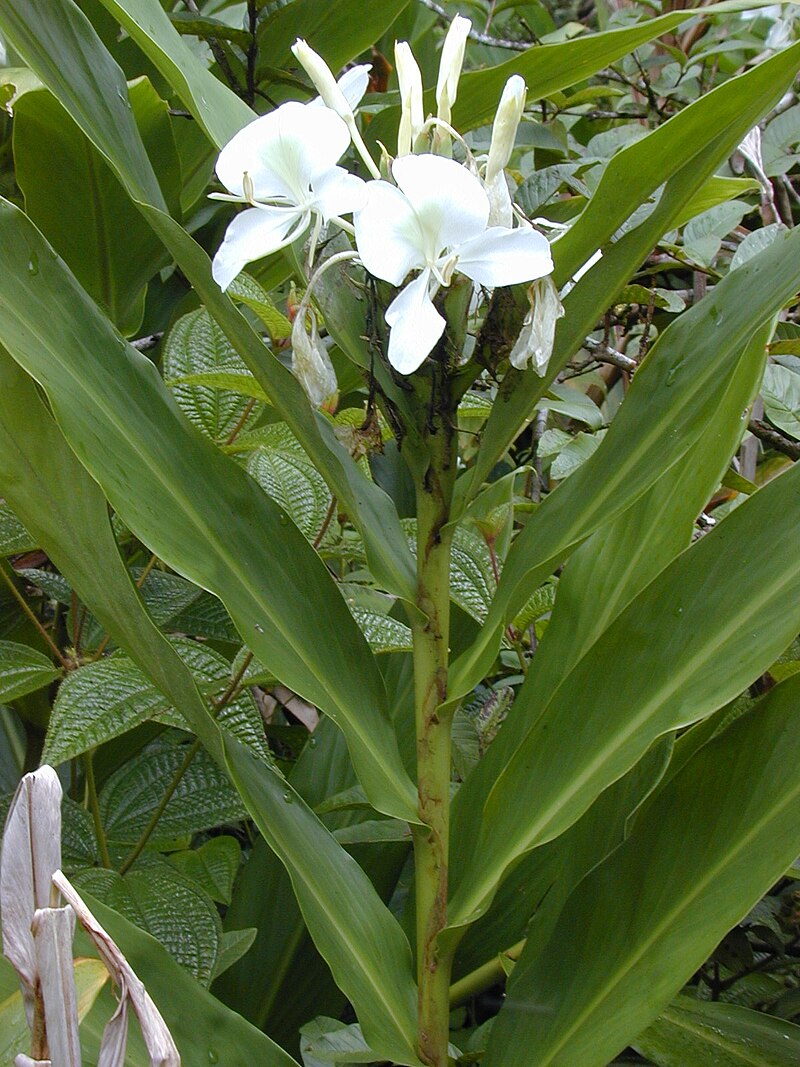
(688, 643)
(65, 510)
(547, 69)
(599, 580)
(194, 506)
(667, 407)
(344, 913)
(218, 110)
(680, 155)
(712, 842)
(79, 71)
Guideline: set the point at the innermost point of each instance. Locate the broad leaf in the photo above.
(202, 799)
(216, 108)
(104, 699)
(14, 538)
(167, 904)
(23, 670)
(781, 392)
(214, 866)
(197, 346)
(362, 942)
(708, 847)
(679, 153)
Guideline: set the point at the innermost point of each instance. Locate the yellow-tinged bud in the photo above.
(409, 78)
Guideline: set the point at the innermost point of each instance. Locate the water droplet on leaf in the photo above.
(259, 628)
(33, 264)
(287, 796)
(213, 1056)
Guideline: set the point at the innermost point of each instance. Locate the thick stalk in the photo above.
(431, 646)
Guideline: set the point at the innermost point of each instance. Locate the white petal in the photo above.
(449, 202)
(283, 151)
(157, 1038)
(254, 233)
(25, 1061)
(504, 257)
(354, 82)
(53, 930)
(415, 325)
(388, 236)
(337, 192)
(31, 852)
(535, 341)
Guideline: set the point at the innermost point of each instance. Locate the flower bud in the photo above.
(323, 80)
(311, 364)
(506, 123)
(450, 64)
(410, 81)
(539, 328)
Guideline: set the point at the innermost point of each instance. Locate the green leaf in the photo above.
(203, 798)
(362, 942)
(204, 1030)
(702, 237)
(246, 290)
(197, 346)
(163, 901)
(781, 392)
(547, 69)
(217, 109)
(680, 156)
(234, 945)
(383, 633)
(708, 847)
(214, 866)
(700, 639)
(105, 699)
(285, 472)
(23, 670)
(692, 1033)
(195, 507)
(92, 91)
(664, 414)
(339, 33)
(14, 538)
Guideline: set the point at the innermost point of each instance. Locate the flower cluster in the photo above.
(427, 218)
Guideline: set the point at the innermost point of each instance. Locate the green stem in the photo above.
(433, 725)
(483, 977)
(94, 807)
(20, 599)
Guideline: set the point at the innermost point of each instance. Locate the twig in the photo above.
(605, 354)
(144, 344)
(94, 807)
(218, 52)
(476, 35)
(20, 599)
(772, 437)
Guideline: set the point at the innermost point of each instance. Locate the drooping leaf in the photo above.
(216, 108)
(205, 1030)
